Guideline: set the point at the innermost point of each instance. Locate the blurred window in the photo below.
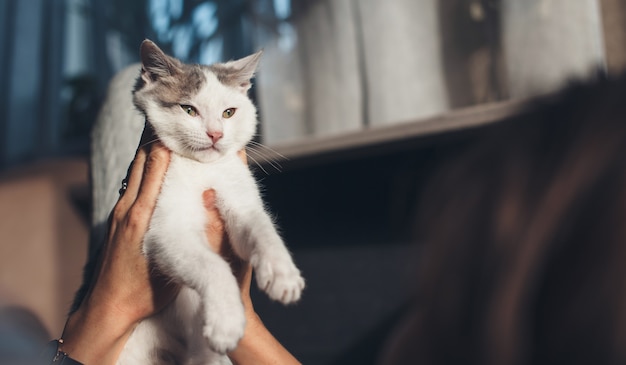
(331, 68)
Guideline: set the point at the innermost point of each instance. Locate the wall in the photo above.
(44, 237)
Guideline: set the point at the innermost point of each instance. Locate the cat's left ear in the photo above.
(239, 73)
(155, 63)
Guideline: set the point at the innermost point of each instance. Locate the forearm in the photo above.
(98, 335)
(95, 336)
(259, 346)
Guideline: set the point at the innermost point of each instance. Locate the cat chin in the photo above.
(205, 156)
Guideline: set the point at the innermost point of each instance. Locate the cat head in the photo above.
(200, 112)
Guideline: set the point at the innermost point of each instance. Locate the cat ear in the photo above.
(155, 63)
(238, 73)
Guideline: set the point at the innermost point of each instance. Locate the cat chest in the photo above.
(187, 179)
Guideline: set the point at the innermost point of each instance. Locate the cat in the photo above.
(204, 116)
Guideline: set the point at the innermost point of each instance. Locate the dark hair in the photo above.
(525, 240)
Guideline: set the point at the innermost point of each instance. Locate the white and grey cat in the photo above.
(204, 116)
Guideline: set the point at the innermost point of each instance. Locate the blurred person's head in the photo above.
(524, 237)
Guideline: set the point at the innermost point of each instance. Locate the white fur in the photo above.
(114, 140)
(207, 318)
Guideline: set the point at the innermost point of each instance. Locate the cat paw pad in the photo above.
(280, 279)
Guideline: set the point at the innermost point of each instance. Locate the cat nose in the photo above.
(215, 135)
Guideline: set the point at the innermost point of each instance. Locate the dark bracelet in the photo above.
(53, 355)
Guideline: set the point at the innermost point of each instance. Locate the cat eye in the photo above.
(228, 113)
(189, 110)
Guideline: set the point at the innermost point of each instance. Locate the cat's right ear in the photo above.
(155, 63)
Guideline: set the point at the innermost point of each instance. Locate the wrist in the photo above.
(53, 354)
(95, 335)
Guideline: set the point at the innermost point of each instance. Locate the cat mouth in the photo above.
(208, 148)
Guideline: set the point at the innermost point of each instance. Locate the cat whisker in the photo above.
(156, 139)
(268, 154)
(258, 164)
(259, 155)
(269, 149)
(264, 157)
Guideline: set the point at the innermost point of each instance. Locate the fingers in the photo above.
(134, 177)
(145, 175)
(214, 228)
(136, 166)
(218, 239)
(242, 155)
(154, 171)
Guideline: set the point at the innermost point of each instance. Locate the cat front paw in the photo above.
(224, 327)
(278, 277)
(223, 337)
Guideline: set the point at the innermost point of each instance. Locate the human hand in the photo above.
(125, 288)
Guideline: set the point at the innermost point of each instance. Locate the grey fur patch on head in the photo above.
(173, 90)
(237, 73)
(171, 81)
